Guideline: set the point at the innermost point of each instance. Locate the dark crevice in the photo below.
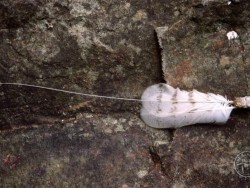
(243, 54)
(160, 74)
(156, 159)
(161, 78)
(171, 134)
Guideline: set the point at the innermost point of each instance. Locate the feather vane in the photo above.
(166, 107)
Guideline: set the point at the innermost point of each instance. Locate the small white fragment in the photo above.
(142, 173)
(232, 35)
(160, 142)
(229, 3)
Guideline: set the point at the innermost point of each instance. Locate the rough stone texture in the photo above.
(89, 151)
(111, 48)
(100, 47)
(196, 54)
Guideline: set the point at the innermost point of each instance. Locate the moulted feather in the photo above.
(166, 107)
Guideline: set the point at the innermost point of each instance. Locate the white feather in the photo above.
(166, 107)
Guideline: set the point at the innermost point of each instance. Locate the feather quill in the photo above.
(166, 107)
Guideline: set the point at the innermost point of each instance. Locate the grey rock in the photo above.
(110, 48)
(196, 54)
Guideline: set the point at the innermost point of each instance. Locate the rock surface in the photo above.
(197, 54)
(90, 151)
(98, 47)
(119, 48)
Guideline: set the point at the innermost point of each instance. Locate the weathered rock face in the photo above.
(98, 47)
(118, 49)
(197, 53)
(95, 151)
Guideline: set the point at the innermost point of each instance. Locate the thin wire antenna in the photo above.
(71, 92)
(102, 96)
